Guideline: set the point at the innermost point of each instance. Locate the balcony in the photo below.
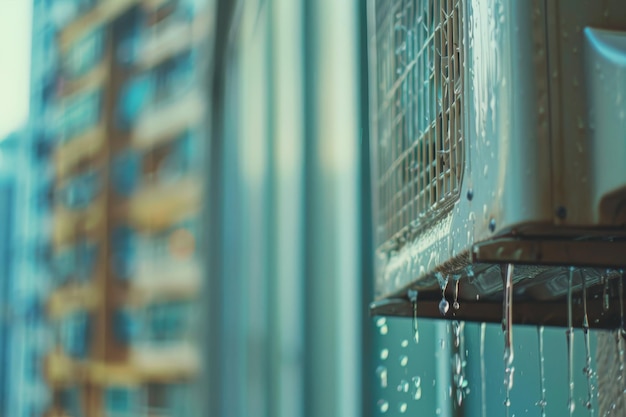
(85, 146)
(153, 362)
(60, 369)
(161, 123)
(101, 14)
(156, 207)
(68, 224)
(92, 80)
(170, 38)
(156, 279)
(73, 297)
(108, 374)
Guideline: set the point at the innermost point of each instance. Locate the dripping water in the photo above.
(620, 333)
(381, 373)
(412, 294)
(571, 405)
(456, 304)
(483, 381)
(542, 376)
(587, 369)
(444, 306)
(461, 384)
(507, 328)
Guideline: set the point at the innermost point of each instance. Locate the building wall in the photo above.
(125, 122)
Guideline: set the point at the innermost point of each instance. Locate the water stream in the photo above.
(507, 327)
(587, 370)
(569, 334)
(542, 373)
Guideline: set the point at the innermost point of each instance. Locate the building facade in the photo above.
(113, 190)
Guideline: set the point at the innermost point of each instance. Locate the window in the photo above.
(176, 243)
(63, 265)
(70, 401)
(78, 115)
(75, 262)
(120, 402)
(123, 242)
(169, 400)
(81, 190)
(126, 34)
(168, 322)
(75, 334)
(84, 55)
(171, 160)
(125, 325)
(173, 77)
(155, 88)
(125, 172)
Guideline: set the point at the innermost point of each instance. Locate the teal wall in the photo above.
(433, 352)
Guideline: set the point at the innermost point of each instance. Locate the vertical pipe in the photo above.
(287, 295)
(333, 218)
(212, 389)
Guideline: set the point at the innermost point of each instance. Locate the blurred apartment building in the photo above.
(108, 204)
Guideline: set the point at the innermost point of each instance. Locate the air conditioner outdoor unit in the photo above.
(499, 137)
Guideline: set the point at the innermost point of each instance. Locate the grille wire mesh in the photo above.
(419, 107)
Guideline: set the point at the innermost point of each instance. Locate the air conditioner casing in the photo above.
(543, 139)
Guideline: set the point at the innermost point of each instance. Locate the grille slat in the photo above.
(418, 113)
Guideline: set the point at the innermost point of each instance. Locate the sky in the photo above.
(15, 36)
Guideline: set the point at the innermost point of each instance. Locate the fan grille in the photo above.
(419, 108)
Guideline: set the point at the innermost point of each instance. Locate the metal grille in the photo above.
(418, 85)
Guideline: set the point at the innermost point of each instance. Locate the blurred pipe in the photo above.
(287, 275)
(212, 389)
(332, 263)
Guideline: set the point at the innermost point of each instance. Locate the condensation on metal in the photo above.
(419, 86)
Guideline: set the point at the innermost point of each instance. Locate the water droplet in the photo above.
(418, 394)
(404, 386)
(402, 407)
(384, 354)
(384, 329)
(457, 364)
(470, 194)
(404, 343)
(444, 306)
(404, 360)
(383, 406)
(381, 321)
(492, 225)
(381, 373)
